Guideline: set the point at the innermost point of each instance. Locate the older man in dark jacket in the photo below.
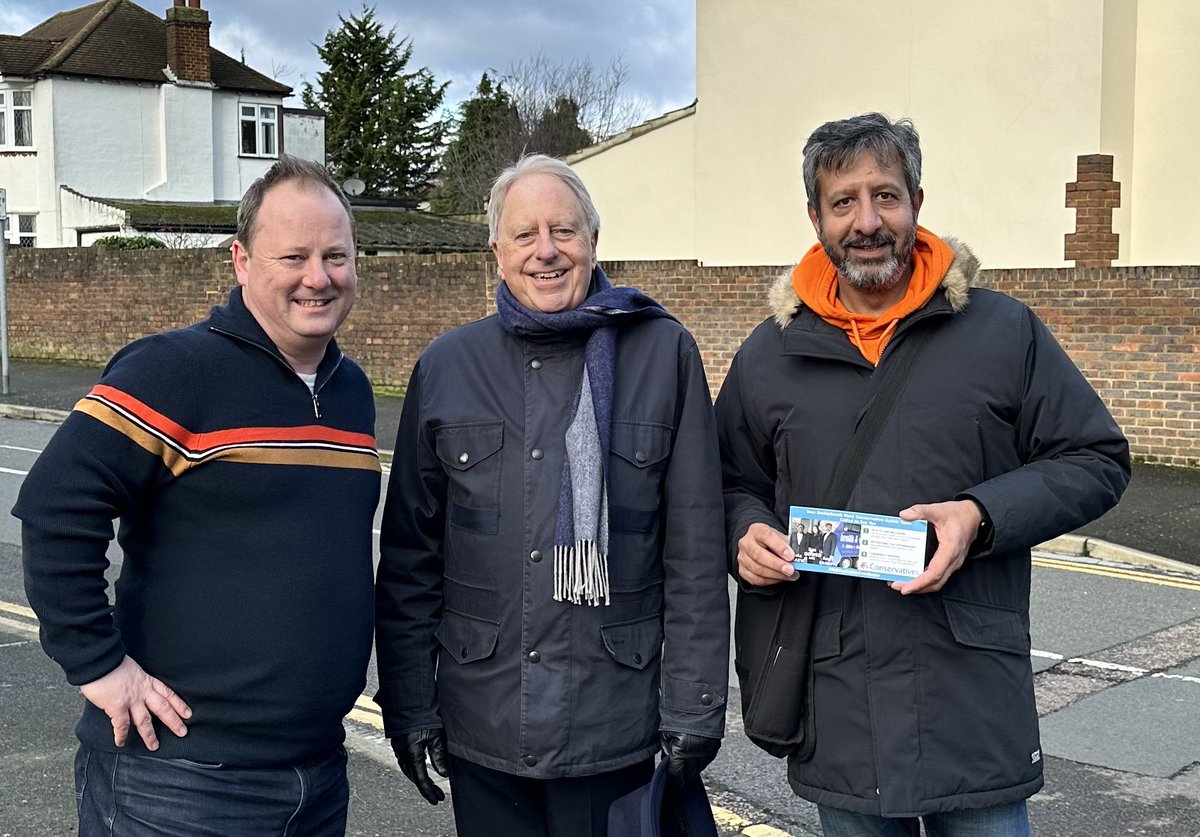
(551, 599)
(922, 691)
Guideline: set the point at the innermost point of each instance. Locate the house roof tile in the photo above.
(21, 56)
(119, 40)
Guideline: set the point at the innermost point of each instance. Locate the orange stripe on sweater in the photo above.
(199, 442)
(178, 464)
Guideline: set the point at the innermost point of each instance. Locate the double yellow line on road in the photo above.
(366, 711)
(1142, 576)
(27, 624)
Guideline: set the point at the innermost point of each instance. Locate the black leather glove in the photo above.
(410, 750)
(688, 755)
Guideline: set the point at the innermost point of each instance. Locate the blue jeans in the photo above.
(122, 795)
(1000, 821)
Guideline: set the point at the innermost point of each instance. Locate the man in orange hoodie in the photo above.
(921, 692)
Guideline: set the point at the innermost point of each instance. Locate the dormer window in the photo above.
(260, 130)
(16, 119)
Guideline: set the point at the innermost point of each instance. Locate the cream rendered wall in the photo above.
(644, 192)
(1005, 96)
(1166, 124)
(1118, 98)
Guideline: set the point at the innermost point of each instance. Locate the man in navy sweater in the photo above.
(239, 457)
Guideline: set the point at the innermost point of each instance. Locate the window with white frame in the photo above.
(16, 119)
(260, 130)
(21, 230)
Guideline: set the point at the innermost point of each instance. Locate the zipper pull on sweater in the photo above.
(316, 405)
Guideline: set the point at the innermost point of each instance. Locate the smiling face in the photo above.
(297, 272)
(867, 223)
(544, 249)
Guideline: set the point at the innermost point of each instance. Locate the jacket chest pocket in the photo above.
(470, 456)
(636, 469)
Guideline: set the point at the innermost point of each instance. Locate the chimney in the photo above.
(187, 41)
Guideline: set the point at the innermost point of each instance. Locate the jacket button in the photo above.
(534, 657)
(637, 658)
(706, 699)
(535, 363)
(535, 556)
(530, 761)
(464, 458)
(536, 453)
(640, 456)
(465, 651)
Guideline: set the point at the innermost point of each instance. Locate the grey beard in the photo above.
(877, 278)
(873, 279)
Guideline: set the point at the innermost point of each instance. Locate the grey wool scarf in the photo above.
(581, 524)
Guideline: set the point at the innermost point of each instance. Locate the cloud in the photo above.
(456, 39)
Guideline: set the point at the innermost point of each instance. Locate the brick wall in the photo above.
(1134, 331)
(187, 42)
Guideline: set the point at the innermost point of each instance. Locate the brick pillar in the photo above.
(1093, 195)
(187, 41)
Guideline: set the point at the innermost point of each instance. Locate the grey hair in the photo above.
(287, 169)
(836, 145)
(538, 164)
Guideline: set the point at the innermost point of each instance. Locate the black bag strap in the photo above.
(895, 376)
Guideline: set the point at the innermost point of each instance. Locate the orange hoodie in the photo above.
(815, 282)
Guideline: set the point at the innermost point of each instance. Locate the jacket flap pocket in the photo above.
(987, 626)
(467, 638)
(827, 635)
(463, 446)
(641, 445)
(634, 643)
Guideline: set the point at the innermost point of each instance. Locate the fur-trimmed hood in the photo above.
(958, 280)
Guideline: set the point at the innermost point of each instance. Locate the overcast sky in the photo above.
(456, 39)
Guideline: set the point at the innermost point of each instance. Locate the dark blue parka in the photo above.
(923, 703)
(468, 631)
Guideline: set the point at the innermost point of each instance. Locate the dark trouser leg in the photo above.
(580, 806)
(490, 802)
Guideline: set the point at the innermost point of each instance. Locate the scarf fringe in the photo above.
(581, 574)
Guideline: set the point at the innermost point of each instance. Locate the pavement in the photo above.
(1157, 521)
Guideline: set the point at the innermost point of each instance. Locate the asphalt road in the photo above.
(1116, 648)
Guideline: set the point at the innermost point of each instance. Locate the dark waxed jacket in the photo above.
(526, 684)
(923, 703)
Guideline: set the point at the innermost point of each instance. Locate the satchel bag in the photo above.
(773, 625)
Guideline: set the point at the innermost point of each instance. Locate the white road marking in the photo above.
(14, 472)
(1106, 666)
(15, 447)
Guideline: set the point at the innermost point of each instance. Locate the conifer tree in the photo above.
(380, 124)
(487, 138)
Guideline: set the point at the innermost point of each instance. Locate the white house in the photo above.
(110, 106)
(1006, 96)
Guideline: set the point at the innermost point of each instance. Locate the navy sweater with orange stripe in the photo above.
(245, 505)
